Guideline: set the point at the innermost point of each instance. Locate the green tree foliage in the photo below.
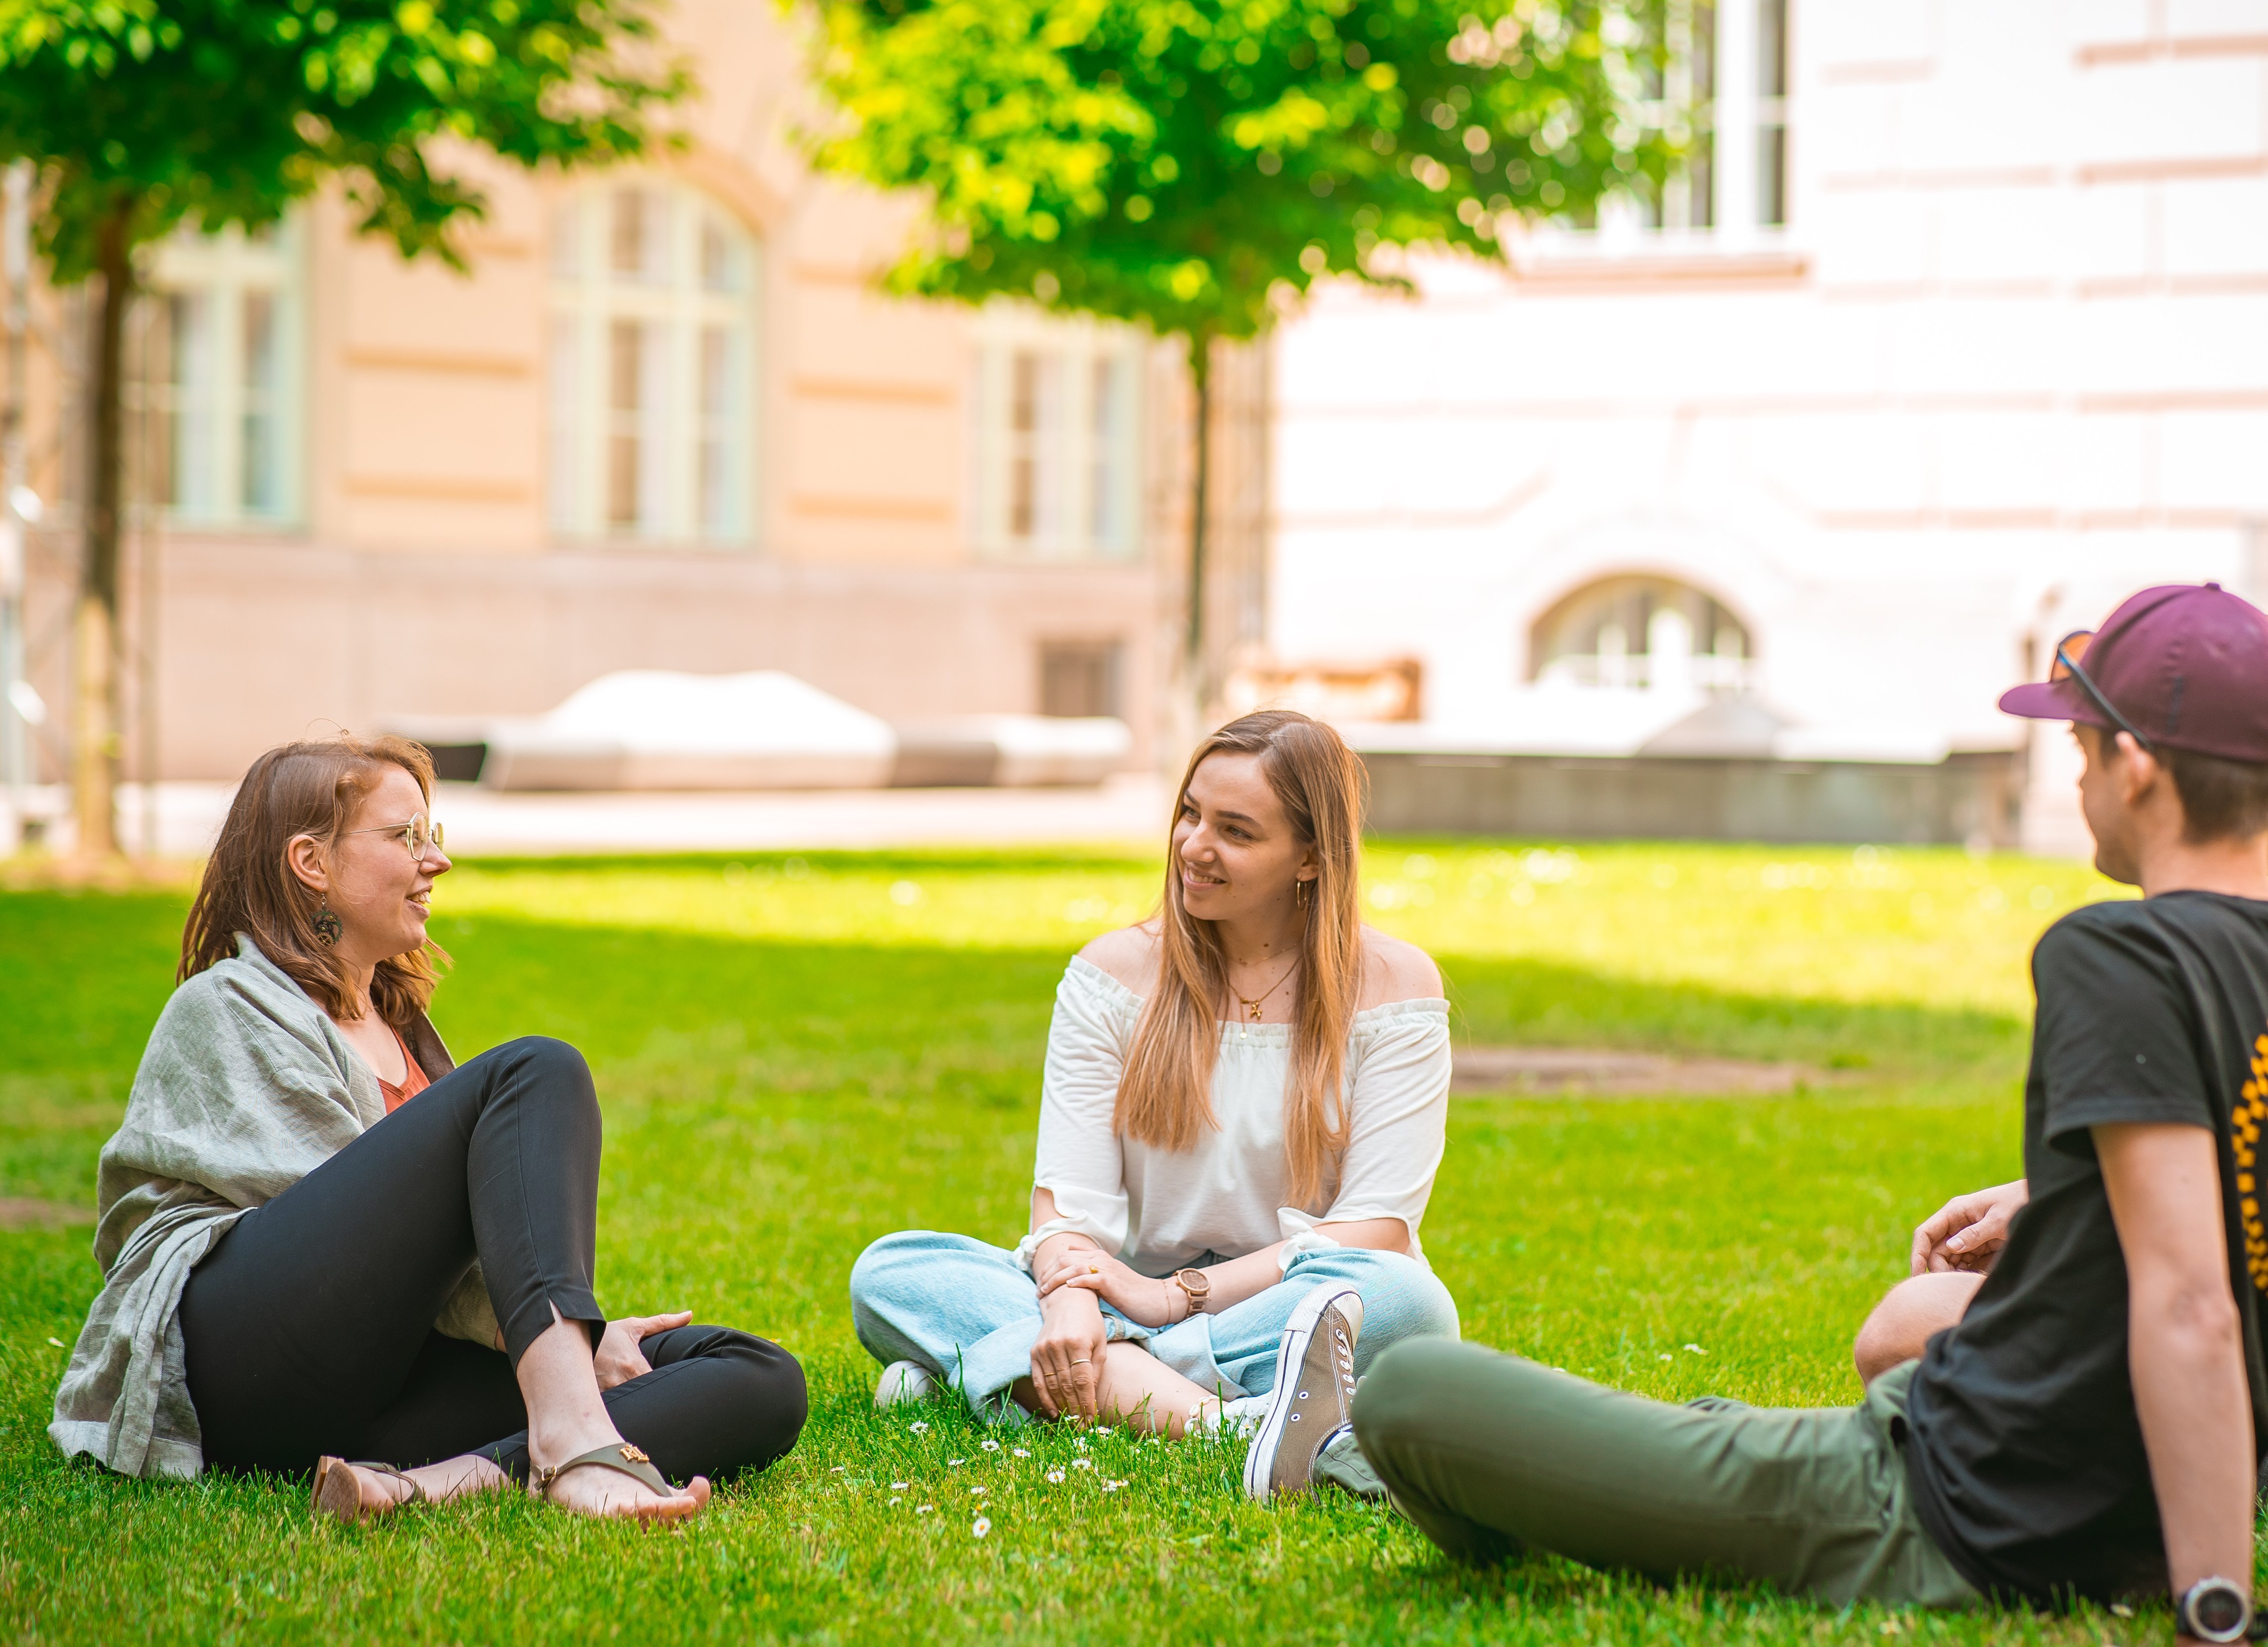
(227, 111)
(1192, 164)
(142, 115)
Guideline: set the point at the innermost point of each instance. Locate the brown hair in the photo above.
(1166, 1095)
(2221, 800)
(312, 788)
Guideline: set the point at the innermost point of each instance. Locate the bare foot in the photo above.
(352, 1494)
(592, 1490)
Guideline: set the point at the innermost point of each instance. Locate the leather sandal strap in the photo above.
(622, 1455)
(417, 1487)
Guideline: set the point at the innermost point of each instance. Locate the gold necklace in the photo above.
(1252, 1004)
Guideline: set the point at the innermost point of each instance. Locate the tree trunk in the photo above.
(1197, 689)
(96, 745)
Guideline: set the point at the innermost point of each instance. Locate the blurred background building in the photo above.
(1954, 332)
(666, 423)
(1731, 513)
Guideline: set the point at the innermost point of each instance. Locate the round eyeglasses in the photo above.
(418, 835)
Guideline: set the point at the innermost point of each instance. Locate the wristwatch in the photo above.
(2214, 1610)
(1196, 1287)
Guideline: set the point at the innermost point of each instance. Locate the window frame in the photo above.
(225, 269)
(590, 302)
(1600, 603)
(1744, 127)
(1065, 451)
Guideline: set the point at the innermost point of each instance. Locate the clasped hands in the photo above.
(1968, 1231)
(1145, 1300)
(1074, 1282)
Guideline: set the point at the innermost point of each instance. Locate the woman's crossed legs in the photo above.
(308, 1329)
(970, 1313)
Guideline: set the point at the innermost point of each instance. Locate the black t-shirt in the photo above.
(2025, 1455)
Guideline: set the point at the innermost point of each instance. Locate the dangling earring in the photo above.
(328, 928)
(1302, 893)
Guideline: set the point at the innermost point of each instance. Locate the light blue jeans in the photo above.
(969, 1314)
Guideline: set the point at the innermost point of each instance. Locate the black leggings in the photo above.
(308, 1329)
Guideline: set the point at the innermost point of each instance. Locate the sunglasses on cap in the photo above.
(2068, 651)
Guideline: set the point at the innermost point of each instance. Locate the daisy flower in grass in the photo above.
(955, 1463)
(979, 1528)
(1082, 1464)
(1055, 1475)
(1112, 1487)
(918, 1426)
(897, 1487)
(923, 1509)
(1021, 1454)
(990, 1445)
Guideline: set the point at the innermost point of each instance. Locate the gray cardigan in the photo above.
(245, 1087)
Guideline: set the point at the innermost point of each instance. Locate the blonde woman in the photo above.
(1242, 1114)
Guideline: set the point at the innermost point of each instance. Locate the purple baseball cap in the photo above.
(2181, 665)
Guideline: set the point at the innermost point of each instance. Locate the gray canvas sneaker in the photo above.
(1313, 1396)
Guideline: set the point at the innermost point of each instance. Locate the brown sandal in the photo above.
(338, 1495)
(620, 1455)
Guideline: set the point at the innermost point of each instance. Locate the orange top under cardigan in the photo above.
(413, 1080)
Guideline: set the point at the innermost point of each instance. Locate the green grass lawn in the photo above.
(797, 1054)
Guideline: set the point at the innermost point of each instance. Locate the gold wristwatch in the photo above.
(1196, 1287)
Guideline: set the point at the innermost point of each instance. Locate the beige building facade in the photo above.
(666, 421)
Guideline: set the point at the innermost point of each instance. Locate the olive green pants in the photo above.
(1489, 1454)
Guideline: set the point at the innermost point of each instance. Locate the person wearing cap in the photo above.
(2068, 1402)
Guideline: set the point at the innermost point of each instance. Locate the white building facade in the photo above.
(1957, 334)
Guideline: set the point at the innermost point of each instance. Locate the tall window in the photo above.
(1643, 633)
(1682, 90)
(216, 384)
(652, 366)
(1771, 112)
(1056, 407)
(1722, 84)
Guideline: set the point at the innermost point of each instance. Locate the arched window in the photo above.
(1650, 633)
(652, 366)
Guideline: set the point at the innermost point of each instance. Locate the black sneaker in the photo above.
(1313, 1395)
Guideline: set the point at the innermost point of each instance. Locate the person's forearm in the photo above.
(1044, 1212)
(1252, 1275)
(2183, 1355)
(2188, 1368)
(1061, 1241)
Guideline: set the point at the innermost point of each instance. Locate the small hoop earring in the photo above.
(328, 928)
(1303, 893)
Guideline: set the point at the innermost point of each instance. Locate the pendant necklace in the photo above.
(1252, 1004)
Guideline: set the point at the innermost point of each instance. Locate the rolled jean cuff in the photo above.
(1186, 1348)
(534, 1318)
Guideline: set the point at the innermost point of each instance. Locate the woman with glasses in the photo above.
(322, 1239)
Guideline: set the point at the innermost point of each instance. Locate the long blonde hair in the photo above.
(308, 788)
(1164, 1098)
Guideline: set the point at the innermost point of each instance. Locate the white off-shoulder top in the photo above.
(1159, 1209)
